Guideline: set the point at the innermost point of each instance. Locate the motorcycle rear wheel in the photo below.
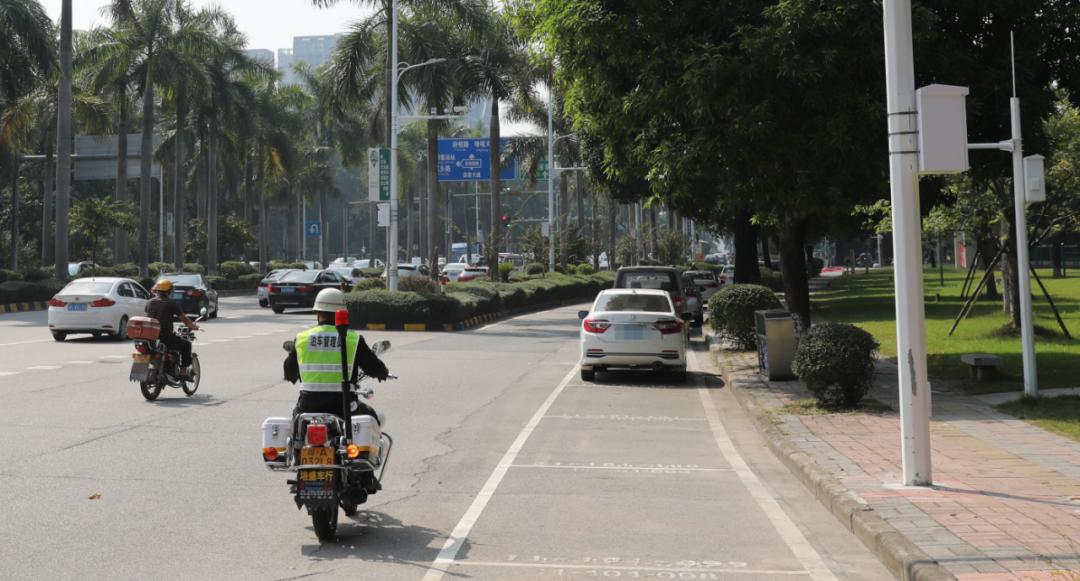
(150, 391)
(190, 386)
(324, 521)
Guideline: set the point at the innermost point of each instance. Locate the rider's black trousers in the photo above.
(177, 344)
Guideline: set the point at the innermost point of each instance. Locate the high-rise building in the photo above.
(261, 54)
(312, 50)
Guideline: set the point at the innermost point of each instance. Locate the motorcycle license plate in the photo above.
(315, 485)
(316, 455)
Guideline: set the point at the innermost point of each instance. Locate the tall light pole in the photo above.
(551, 177)
(63, 146)
(907, 246)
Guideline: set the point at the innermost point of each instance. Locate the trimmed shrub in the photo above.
(504, 271)
(19, 291)
(383, 306)
(535, 268)
(418, 284)
(836, 362)
(243, 282)
(363, 284)
(157, 268)
(585, 269)
(34, 274)
(731, 312)
(235, 269)
(10, 275)
(276, 264)
(772, 279)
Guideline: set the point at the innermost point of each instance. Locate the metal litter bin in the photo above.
(776, 343)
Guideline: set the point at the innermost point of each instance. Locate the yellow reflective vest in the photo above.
(318, 353)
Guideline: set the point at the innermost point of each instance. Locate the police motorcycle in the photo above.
(154, 365)
(338, 460)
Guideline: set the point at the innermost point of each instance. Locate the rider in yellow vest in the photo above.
(316, 361)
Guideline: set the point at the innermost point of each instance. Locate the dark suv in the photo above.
(298, 288)
(655, 277)
(193, 292)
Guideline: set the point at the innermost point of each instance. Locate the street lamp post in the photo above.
(552, 140)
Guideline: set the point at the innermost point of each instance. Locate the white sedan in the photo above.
(632, 328)
(96, 305)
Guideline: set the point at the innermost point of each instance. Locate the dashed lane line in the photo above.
(8, 373)
(42, 367)
(457, 538)
(781, 522)
(26, 342)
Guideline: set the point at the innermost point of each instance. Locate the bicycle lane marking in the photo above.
(453, 544)
(781, 522)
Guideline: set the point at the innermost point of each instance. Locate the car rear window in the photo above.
(649, 280)
(86, 288)
(184, 279)
(300, 276)
(633, 302)
(705, 276)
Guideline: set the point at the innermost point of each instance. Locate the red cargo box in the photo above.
(143, 328)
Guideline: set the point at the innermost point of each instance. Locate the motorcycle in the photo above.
(338, 460)
(154, 365)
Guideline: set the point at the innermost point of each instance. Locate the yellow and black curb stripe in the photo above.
(24, 307)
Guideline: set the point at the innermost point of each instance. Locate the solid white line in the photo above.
(116, 356)
(781, 522)
(42, 368)
(601, 567)
(79, 362)
(239, 337)
(26, 342)
(8, 373)
(624, 418)
(624, 468)
(453, 543)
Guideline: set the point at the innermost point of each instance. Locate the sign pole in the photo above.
(907, 244)
(551, 178)
(392, 253)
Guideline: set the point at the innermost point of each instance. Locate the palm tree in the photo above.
(275, 123)
(498, 67)
(27, 47)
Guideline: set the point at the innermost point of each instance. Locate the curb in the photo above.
(467, 323)
(24, 307)
(902, 557)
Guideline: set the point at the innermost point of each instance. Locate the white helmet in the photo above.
(330, 300)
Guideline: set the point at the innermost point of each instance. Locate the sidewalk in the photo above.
(1006, 499)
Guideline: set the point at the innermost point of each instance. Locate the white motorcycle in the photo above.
(338, 460)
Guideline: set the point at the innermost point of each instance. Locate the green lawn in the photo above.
(866, 300)
(1056, 414)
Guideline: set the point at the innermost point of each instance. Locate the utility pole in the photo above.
(392, 252)
(63, 146)
(1023, 272)
(914, 386)
(551, 176)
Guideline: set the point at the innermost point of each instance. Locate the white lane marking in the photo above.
(239, 337)
(42, 368)
(79, 362)
(115, 356)
(673, 469)
(26, 342)
(781, 522)
(624, 418)
(601, 567)
(453, 543)
(8, 373)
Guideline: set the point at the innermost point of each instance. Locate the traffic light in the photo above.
(507, 223)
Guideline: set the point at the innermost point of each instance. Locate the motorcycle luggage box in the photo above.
(275, 435)
(145, 328)
(366, 433)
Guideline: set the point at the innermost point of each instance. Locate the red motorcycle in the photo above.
(154, 365)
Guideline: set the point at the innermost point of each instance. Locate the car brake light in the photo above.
(669, 326)
(597, 326)
(307, 289)
(677, 299)
(103, 303)
(270, 288)
(194, 293)
(56, 303)
(316, 434)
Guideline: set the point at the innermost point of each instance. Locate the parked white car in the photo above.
(98, 306)
(451, 272)
(705, 280)
(407, 270)
(366, 263)
(632, 328)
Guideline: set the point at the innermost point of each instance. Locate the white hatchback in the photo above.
(632, 328)
(100, 305)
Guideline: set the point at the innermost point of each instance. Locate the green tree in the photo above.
(97, 218)
(27, 48)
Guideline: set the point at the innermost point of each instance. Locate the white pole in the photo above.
(907, 246)
(161, 214)
(303, 228)
(392, 254)
(1027, 331)
(551, 178)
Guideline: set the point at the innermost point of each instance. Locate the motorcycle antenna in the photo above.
(341, 322)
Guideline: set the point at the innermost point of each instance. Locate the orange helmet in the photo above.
(164, 285)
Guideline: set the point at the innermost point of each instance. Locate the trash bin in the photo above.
(776, 343)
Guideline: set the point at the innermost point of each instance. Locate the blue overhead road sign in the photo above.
(469, 160)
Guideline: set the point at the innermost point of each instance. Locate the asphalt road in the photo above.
(505, 466)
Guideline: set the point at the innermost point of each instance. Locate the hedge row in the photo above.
(465, 300)
(19, 291)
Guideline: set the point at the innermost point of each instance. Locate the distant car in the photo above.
(349, 273)
(632, 328)
(407, 270)
(312, 265)
(727, 275)
(654, 277)
(97, 306)
(452, 271)
(473, 273)
(262, 293)
(193, 292)
(343, 260)
(705, 280)
(366, 263)
(297, 288)
(80, 268)
(695, 305)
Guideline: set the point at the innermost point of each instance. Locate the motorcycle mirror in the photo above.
(289, 346)
(381, 347)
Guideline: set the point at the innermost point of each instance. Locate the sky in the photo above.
(267, 23)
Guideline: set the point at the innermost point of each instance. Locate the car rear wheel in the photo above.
(678, 374)
(278, 310)
(121, 329)
(59, 336)
(264, 303)
(588, 375)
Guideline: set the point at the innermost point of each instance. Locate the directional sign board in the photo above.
(313, 229)
(469, 160)
(383, 215)
(378, 174)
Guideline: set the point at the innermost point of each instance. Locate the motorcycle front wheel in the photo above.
(150, 391)
(324, 521)
(190, 386)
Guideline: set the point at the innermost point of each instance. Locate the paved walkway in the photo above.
(1006, 500)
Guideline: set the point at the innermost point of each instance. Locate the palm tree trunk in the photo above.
(564, 186)
(146, 152)
(613, 228)
(14, 212)
(179, 213)
(120, 237)
(212, 204)
(322, 229)
(433, 198)
(201, 177)
(496, 190)
(594, 238)
(48, 176)
(579, 191)
(262, 206)
(653, 246)
(63, 140)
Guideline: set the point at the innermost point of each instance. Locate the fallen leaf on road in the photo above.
(94, 496)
